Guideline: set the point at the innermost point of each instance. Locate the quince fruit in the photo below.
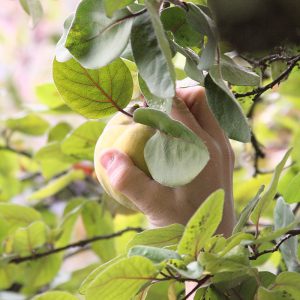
(123, 134)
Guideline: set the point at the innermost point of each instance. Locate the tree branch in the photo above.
(289, 234)
(260, 90)
(10, 149)
(199, 284)
(82, 243)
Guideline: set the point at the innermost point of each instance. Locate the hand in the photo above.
(164, 205)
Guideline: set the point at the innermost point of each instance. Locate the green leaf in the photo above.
(48, 95)
(158, 237)
(173, 147)
(153, 101)
(81, 142)
(193, 270)
(62, 54)
(156, 255)
(246, 212)
(112, 6)
(18, 215)
(59, 132)
(270, 193)
(236, 240)
(94, 93)
(202, 225)
(284, 216)
(7, 277)
(71, 283)
(265, 294)
(174, 19)
(94, 39)
(122, 280)
(98, 221)
(34, 9)
(27, 239)
(202, 23)
(234, 73)
(291, 193)
(236, 260)
(226, 109)
(55, 295)
(289, 282)
(31, 124)
(152, 53)
(52, 160)
(192, 63)
(286, 286)
(277, 68)
(71, 213)
(90, 278)
(57, 184)
(42, 271)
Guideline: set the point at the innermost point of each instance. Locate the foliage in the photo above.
(115, 53)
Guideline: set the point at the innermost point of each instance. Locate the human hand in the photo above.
(164, 205)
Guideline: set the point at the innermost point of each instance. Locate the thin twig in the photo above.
(81, 243)
(289, 234)
(199, 284)
(259, 91)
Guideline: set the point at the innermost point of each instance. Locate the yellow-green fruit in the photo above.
(124, 134)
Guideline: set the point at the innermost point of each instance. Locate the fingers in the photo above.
(181, 113)
(129, 180)
(195, 100)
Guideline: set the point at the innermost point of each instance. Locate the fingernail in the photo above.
(107, 159)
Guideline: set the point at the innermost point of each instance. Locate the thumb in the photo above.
(127, 178)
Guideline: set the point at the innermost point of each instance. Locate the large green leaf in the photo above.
(173, 147)
(31, 124)
(34, 9)
(122, 280)
(286, 286)
(18, 215)
(174, 19)
(27, 239)
(55, 295)
(71, 214)
(153, 101)
(59, 132)
(94, 39)
(47, 94)
(94, 93)
(90, 278)
(245, 214)
(234, 73)
(158, 237)
(283, 216)
(202, 23)
(152, 53)
(226, 109)
(52, 160)
(112, 6)
(42, 271)
(81, 142)
(62, 54)
(155, 254)
(291, 193)
(98, 221)
(57, 184)
(202, 225)
(270, 193)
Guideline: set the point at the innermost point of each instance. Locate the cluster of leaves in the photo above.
(111, 53)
